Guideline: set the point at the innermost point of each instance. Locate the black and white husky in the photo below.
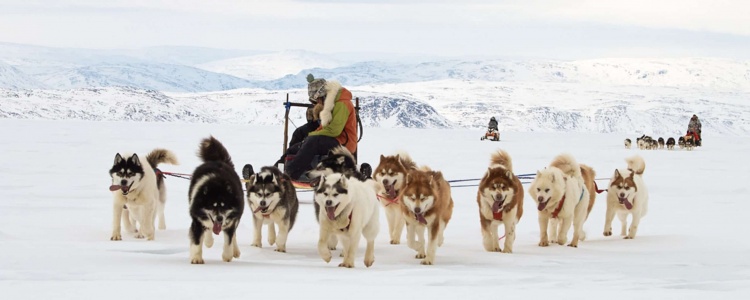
(216, 201)
(273, 200)
(138, 192)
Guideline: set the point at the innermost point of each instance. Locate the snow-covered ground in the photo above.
(55, 216)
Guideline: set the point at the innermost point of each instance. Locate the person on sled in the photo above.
(493, 125)
(299, 134)
(694, 129)
(338, 126)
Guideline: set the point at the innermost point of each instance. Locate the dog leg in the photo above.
(323, 247)
(350, 247)
(228, 252)
(272, 233)
(116, 216)
(553, 229)
(400, 223)
(235, 246)
(197, 232)
(147, 227)
(137, 217)
(411, 236)
(258, 236)
(543, 224)
(578, 234)
(608, 219)
(333, 240)
(129, 225)
(510, 233)
(160, 211)
(370, 232)
(562, 234)
(633, 227)
(420, 241)
(208, 239)
(487, 236)
(623, 216)
(390, 216)
(283, 233)
(433, 234)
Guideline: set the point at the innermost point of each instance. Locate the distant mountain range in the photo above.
(653, 96)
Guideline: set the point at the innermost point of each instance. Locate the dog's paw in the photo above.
(608, 233)
(331, 248)
(369, 262)
(227, 257)
(196, 261)
(420, 256)
(426, 262)
(257, 244)
(236, 253)
(395, 242)
(138, 235)
(561, 242)
(573, 245)
(543, 243)
(346, 265)
(116, 237)
(271, 241)
(280, 249)
(507, 250)
(628, 237)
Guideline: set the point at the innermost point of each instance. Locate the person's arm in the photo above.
(334, 129)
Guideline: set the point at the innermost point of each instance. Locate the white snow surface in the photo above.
(55, 218)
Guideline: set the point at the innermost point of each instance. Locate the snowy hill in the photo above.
(12, 78)
(271, 66)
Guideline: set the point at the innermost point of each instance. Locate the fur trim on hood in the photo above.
(332, 91)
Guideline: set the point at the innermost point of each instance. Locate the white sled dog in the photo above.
(350, 209)
(627, 195)
(562, 200)
(139, 194)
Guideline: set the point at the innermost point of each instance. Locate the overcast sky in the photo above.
(525, 28)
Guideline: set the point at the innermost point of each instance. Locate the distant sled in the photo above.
(491, 134)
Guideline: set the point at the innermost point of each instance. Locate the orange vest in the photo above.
(348, 136)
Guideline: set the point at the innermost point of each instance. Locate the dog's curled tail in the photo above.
(341, 150)
(212, 150)
(501, 158)
(405, 159)
(158, 155)
(568, 165)
(636, 163)
(587, 172)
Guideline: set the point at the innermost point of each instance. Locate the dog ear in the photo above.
(553, 177)
(316, 181)
(617, 174)
(343, 181)
(509, 174)
(341, 160)
(408, 178)
(487, 174)
(118, 158)
(135, 159)
(382, 158)
(538, 173)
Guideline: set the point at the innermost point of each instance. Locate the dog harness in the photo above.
(388, 200)
(559, 206)
(498, 216)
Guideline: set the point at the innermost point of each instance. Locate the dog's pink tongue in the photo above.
(542, 205)
(496, 206)
(217, 228)
(331, 212)
(113, 188)
(391, 190)
(628, 205)
(421, 219)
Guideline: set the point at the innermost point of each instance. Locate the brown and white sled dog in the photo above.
(389, 176)
(562, 200)
(500, 199)
(627, 195)
(273, 200)
(426, 204)
(139, 194)
(350, 210)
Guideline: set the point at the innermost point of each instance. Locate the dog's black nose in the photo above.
(329, 203)
(540, 198)
(220, 219)
(417, 210)
(385, 181)
(263, 203)
(622, 195)
(123, 182)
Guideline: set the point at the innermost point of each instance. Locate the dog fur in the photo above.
(500, 200)
(589, 175)
(670, 143)
(350, 210)
(627, 143)
(216, 201)
(138, 193)
(562, 199)
(273, 200)
(389, 176)
(426, 204)
(627, 195)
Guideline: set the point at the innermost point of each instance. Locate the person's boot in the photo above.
(366, 170)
